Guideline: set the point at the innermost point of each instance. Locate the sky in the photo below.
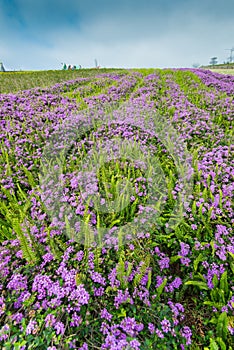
(43, 34)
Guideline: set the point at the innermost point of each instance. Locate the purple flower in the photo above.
(17, 317)
(224, 309)
(164, 263)
(185, 249)
(135, 344)
(80, 295)
(31, 326)
(17, 282)
(185, 261)
(72, 344)
(187, 334)
(50, 320)
(80, 255)
(159, 280)
(159, 333)
(76, 320)
(122, 298)
(98, 292)
(166, 326)
(177, 282)
(104, 328)
(59, 327)
(130, 326)
(97, 277)
(221, 252)
(2, 305)
(151, 328)
(48, 257)
(106, 315)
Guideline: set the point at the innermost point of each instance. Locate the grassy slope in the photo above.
(223, 71)
(11, 82)
(221, 68)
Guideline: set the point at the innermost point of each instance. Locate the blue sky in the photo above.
(41, 34)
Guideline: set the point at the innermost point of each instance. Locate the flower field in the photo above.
(116, 210)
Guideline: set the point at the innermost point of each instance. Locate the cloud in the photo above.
(162, 33)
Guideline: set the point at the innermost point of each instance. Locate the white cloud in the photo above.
(162, 34)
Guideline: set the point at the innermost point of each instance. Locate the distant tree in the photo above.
(213, 61)
(196, 65)
(2, 69)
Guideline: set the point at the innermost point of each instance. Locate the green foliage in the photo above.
(200, 285)
(28, 253)
(161, 288)
(222, 326)
(138, 277)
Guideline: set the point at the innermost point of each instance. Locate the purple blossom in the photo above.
(122, 297)
(17, 317)
(97, 277)
(185, 261)
(76, 320)
(184, 249)
(31, 326)
(159, 333)
(166, 326)
(151, 328)
(187, 334)
(130, 326)
(80, 295)
(17, 282)
(159, 280)
(59, 327)
(50, 320)
(106, 315)
(98, 292)
(135, 344)
(79, 255)
(164, 263)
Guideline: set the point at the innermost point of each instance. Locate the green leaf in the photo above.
(122, 313)
(149, 279)
(28, 253)
(121, 271)
(196, 261)
(161, 287)
(232, 266)
(217, 305)
(213, 248)
(213, 345)
(113, 223)
(215, 281)
(175, 258)
(222, 326)
(200, 285)
(224, 283)
(221, 343)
